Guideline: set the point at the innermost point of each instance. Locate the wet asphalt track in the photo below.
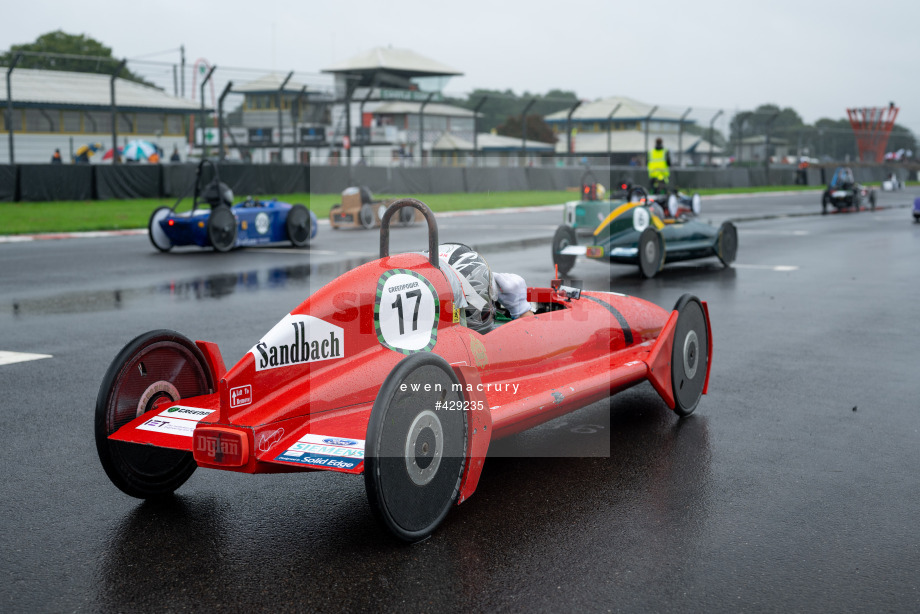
(794, 487)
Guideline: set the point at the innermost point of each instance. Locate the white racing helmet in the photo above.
(475, 278)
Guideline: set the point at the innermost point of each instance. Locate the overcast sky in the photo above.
(818, 57)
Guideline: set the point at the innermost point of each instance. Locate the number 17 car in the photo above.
(375, 374)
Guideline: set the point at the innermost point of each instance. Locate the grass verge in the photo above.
(76, 216)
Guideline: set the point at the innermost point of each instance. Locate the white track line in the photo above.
(9, 358)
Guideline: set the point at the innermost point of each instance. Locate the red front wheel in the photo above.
(155, 368)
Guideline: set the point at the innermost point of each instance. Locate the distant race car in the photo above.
(892, 184)
(640, 231)
(844, 193)
(224, 225)
(359, 209)
(376, 373)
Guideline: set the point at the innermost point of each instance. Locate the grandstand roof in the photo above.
(399, 107)
(269, 83)
(488, 142)
(400, 61)
(79, 90)
(600, 110)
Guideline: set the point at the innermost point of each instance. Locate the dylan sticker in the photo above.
(298, 339)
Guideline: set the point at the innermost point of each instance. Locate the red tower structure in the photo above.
(872, 127)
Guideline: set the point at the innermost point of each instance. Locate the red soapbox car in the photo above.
(375, 374)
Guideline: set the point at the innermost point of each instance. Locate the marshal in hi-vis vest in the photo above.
(658, 164)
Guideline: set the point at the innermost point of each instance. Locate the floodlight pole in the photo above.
(9, 103)
(569, 151)
(280, 118)
(680, 138)
(610, 130)
(524, 128)
(711, 137)
(220, 119)
(204, 149)
(115, 157)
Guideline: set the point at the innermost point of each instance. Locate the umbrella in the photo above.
(139, 150)
(88, 149)
(108, 155)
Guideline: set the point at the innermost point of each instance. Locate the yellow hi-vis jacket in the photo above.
(658, 165)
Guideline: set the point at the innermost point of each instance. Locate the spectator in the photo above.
(56, 157)
(175, 155)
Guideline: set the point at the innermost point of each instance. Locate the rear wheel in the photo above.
(564, 237)
(366, 216)
(727, 247)
(825, 201)
(299, 226)
(151, 372)
(157, 235)
(406, 216)
(222, 228)
(416, 447)
(689, 355)
(651, 252)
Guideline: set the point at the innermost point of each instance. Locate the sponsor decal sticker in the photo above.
(267, 440)
(186, 413)
(325, 451)
(241, 396)
(298, 339)
(320, 460)
(173, 426)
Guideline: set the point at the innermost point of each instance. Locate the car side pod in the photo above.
(679, 364)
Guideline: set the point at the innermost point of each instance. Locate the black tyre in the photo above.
(222, 228)
(651, 252)
(406, 216)
(157, 235)
(153, 370)
(564, 237)
(872, 200)
(366, 216)
(415, 451)
(689, 355)
(825, 201)
(299, 226)
(727, 246)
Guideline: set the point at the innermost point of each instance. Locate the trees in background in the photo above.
(68, 52)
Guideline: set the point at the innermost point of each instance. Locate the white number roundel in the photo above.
(641, 218)
(262, 223)
(406, 311)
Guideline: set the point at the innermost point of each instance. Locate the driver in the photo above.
(478, 290)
